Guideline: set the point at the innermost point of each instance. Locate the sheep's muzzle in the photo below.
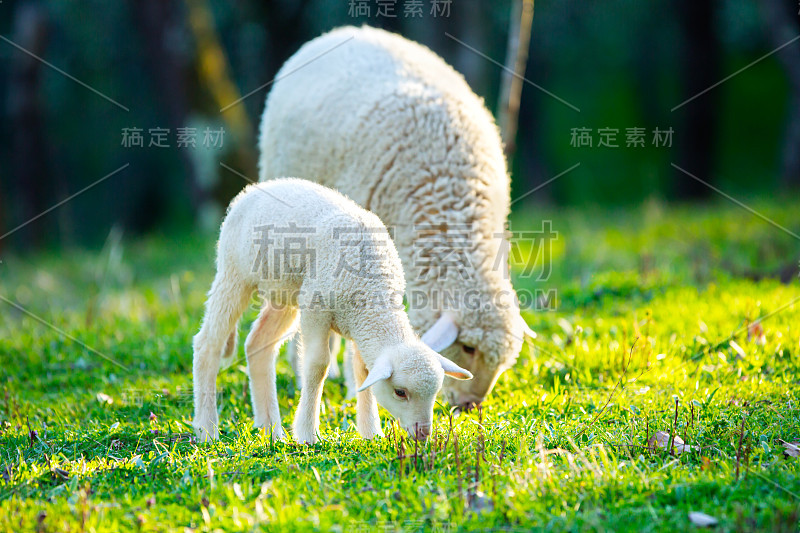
(421, 432)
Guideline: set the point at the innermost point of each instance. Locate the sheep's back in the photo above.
(369, 112)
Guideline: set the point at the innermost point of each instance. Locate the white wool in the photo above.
(389, 123)
(308, 249)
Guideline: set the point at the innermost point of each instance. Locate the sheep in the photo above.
(390, 124)
(309, 250)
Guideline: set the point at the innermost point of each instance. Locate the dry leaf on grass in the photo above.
(792, 449)
(755, 333)
(702, 519)
(102, 397)
(661, 440)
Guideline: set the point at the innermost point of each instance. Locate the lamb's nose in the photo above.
(423, 432)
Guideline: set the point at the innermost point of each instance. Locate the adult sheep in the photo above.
(390, 124)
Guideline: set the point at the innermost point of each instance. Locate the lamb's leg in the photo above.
(315, 358)
(227, 300)
(335, 346)
(368, 421)
(347, 364)
(294, 348)
(229, 352)
(261, 347)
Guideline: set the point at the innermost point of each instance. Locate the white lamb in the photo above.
(389, 123)
(307, 248)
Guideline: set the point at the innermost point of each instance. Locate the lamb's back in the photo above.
(319, 231)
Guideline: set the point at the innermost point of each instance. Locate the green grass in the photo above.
(650, 333)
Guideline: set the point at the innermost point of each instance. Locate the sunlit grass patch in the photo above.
(667, 319)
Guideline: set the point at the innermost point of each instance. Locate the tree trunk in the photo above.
(519, 36)
(469, 17)
(529, 157)
(31, 182)
(284, 21)
(781, 27)
(700, 58)
(158, 22)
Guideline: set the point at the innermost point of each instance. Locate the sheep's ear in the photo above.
(526, 329)
(453, 370)
(442, 334)
(382, 369)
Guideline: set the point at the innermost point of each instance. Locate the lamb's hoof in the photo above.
(371, 434)
(304, 438)
(206, 433)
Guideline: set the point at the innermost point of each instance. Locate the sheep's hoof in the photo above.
(276, 433)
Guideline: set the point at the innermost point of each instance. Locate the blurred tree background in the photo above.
(635, 68)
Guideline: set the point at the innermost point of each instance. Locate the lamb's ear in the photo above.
(453, 370)
(442, 334)
(381, 370)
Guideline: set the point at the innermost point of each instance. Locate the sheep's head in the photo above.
(405, 379)
(486, 354)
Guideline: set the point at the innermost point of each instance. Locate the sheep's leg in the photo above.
(368, 422)
(261, 347)
(349, 377)
(336, 346)
(227, 300)
(292, 351)
(314, 361)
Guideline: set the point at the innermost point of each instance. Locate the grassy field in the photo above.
(672, 319)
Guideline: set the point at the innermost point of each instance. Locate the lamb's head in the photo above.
(406, 378)
(485, 349)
